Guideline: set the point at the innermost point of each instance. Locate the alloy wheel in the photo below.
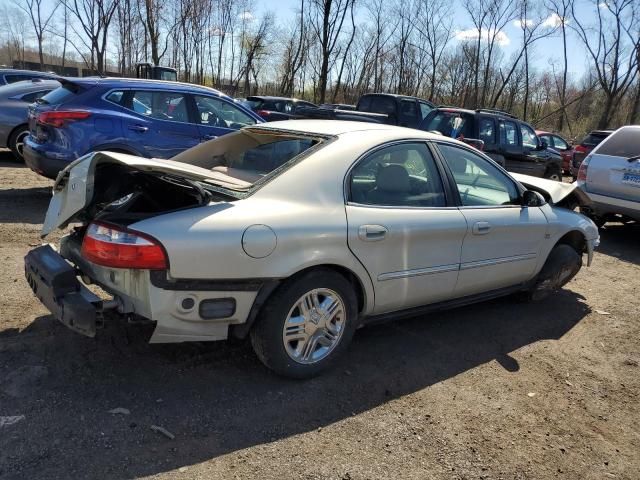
(314, 326)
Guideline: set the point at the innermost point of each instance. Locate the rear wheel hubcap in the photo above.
(314, 326)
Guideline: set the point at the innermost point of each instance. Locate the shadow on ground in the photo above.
(621, 241)
(216, 398)
(24, 205)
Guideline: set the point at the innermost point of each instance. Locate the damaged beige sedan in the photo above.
(296, 233)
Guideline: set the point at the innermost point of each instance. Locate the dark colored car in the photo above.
(10, 75)
(339, 106)
(387, 108)
(272, 109)
(14, 111)
(587, 144)
(509, 141)
(560, 145)
(147, 118)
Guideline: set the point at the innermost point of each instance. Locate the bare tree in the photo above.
(615, 64)
(560, 11)
(434, 23)
(95, 18)
(327, 19)
(39, 19)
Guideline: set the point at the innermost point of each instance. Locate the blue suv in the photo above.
(148, 118)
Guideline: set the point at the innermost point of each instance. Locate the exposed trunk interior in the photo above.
(124, 195)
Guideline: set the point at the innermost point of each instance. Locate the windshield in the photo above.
(248, 158)
(450, 124)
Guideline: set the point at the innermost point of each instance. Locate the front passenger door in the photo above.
(215, 117)
(503, 239)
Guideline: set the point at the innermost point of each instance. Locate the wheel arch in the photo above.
(14, 131)
(575, 239)
(268, 289)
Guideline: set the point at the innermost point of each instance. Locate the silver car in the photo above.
(610, 175)
(14, 102)
(296, 233)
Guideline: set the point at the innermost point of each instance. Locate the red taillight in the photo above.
(59, 118)
(582, 171)
(111, 246)
(263, 113)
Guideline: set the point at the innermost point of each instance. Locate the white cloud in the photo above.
(554, 21)
(246, 15)
(603, 5)
(486, 35)
(521, 23)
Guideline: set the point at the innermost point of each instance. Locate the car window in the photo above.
(449, 123)
(254, 103)
(33, 96)
(384, 105)
(116, 97)
(529, 137)
(486, 130)
(623, 143)
(479, 182)
(58, 96)
(218, 113)
(161, 105)
(409, 108)
(546, 138)
(402, 175)
(14, 77)
(593, 139)
(425, 108)
(508, 135)
(559, 143)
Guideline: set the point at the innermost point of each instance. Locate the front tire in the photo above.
(16, 142)
(563, 263)
(306, 324)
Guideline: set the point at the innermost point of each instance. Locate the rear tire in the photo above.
(306, 324)
(16, 142)
(563, 263)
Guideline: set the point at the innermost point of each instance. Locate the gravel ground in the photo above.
(495, 390)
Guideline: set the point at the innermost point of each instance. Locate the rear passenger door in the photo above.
(401, 227)
(159, 124)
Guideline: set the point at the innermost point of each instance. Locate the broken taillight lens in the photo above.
(111, 246)
(59, 118)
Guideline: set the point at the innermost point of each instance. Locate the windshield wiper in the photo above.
(633, 159)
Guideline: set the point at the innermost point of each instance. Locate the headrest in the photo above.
(393, 178)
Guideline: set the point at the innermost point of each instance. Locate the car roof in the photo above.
(114, 82)
(340, 127)
(600, 132)
(270, 97)
(4, 71)
(28, 85)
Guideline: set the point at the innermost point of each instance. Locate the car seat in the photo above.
(392, 186)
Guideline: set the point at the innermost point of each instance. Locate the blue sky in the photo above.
(545, 51)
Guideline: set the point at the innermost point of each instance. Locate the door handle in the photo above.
(481, 228)
(208, 137)
(138, 128)
(372, 233)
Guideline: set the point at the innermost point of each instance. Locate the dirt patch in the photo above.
(495, 390)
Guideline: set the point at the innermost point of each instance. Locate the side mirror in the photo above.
(543, 145)
(532, 199)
